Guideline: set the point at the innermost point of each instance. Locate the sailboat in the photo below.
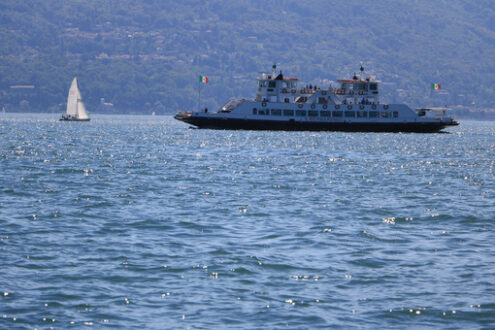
(75, 106)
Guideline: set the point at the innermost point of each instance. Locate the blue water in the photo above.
(139, 222)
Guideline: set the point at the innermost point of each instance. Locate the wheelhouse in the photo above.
(358, 91)
(276, 88)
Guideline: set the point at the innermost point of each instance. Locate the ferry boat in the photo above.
(354, 106)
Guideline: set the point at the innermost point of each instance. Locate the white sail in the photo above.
(75, 105)
(81, 109)
(72, 98)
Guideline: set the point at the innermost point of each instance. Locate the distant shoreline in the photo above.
(471, 115)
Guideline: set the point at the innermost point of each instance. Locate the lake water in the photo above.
(136, 222)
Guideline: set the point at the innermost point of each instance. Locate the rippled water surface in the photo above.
(141, 222)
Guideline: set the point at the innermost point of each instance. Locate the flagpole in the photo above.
(431, 95)
(199, 94)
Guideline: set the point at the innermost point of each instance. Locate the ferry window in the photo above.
(288, 112)
(337, 113)
(350, 114)
(325, 113)
(322, 100)
(396, 114)
(362, 114)
(360, 86)
(255, 111)
(373, 86)
(300, 113)
(373, 114)
(263, 112)
(313, 113)
(276, 112)
(385, 114)
(271, 84)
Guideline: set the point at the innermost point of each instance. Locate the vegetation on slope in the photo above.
(145, 56)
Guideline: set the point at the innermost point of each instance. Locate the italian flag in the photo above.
(435, 86)
(203, 79)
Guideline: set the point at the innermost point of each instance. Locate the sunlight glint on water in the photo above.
(134, 221)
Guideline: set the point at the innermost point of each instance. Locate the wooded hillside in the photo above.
(145, 56)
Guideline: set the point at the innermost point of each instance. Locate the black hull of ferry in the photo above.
(73, 119)
(245, 124)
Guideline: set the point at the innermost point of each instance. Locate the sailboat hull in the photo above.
(73, 119)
